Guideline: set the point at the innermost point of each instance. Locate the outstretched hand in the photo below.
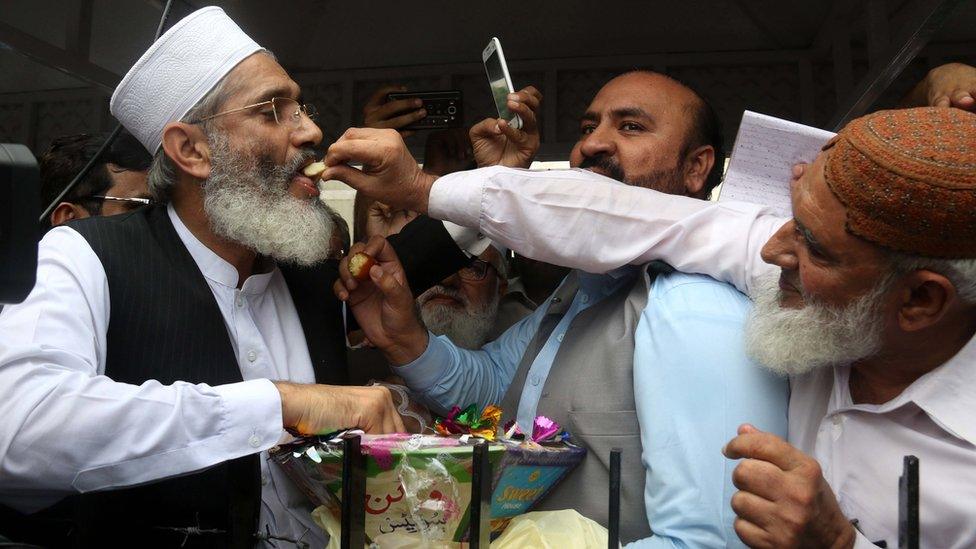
(496, 143)
(383, 304)
(390, 174)
(311, 409)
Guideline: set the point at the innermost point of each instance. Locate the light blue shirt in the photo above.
(693, 387)
(446, 375)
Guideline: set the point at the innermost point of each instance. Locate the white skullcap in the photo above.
(177, 72)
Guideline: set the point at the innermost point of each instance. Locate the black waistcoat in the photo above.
(165, 325)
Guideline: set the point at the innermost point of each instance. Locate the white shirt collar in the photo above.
(945, 394)
(213, 266)
(948, 393)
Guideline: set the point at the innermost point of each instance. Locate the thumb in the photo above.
(348, 175)
(485, 128)
(395, 292)
(747, 428)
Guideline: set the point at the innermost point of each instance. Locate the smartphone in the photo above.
(499, 80)
(443, 108)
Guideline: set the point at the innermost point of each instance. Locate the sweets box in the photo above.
(422, 483)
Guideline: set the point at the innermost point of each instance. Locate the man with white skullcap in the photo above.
(145, 354)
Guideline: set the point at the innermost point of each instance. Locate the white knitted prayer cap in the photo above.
(177, 72)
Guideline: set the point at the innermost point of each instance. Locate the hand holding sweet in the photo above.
(390, 174)
(382, 303)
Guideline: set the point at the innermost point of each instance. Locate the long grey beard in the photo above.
(796, 341)
(247, 201)
(467, 328)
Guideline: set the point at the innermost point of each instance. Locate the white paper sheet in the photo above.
(765, 150)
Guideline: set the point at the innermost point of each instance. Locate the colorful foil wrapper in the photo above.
(543, 430)
(469, 422)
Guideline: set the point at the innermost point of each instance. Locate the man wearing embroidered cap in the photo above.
(139, 371)
(866, 298)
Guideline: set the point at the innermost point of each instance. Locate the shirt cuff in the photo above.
(252, 415)
(428, 369)
(457, 197)
(471, 242)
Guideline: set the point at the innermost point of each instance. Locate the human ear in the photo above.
(66, 211)
(186, 146)
(924, 298)
(698, 164)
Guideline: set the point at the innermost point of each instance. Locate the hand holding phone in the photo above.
(381, 113)
(497, 143)
(499, 80)
(442, 109)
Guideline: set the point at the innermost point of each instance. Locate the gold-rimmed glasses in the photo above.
(286, 111)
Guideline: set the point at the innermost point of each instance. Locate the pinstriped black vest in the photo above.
(165, 325)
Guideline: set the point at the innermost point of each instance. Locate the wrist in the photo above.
(423, 182)
(291, 409)
(409, 350)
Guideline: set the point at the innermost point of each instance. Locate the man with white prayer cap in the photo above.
(139, 381)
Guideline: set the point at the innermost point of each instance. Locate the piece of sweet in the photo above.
(360, 264)
(314, 169)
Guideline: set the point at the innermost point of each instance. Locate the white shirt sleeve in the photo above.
(68, 428)
(586, 221)
(470, 241)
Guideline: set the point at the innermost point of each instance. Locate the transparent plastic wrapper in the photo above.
(565, 529)
(420, 485)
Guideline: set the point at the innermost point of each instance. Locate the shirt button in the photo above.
(254, 441)
(837, 420)
(556, 300)
(252, 356)
(264, 480)
(559, 338)
(585, 298)
(239, 301)
(535, 380)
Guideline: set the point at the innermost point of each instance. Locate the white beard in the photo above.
(796, 341)
(468, 327)
(247, 201)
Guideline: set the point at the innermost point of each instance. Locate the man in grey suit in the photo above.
(591, 357)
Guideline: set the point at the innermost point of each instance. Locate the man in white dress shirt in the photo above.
(866, 297)
(163, 352)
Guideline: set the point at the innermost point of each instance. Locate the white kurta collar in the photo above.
(945, 394)
(212, 265)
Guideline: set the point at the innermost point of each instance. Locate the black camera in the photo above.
(20, 204)
(443, 108)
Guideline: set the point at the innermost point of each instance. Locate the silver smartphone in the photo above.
(500, 80)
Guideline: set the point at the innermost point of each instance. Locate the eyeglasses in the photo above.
(286, 111)
(133, 200)
(475, 271)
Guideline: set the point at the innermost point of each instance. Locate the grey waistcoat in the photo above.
(590, 392)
